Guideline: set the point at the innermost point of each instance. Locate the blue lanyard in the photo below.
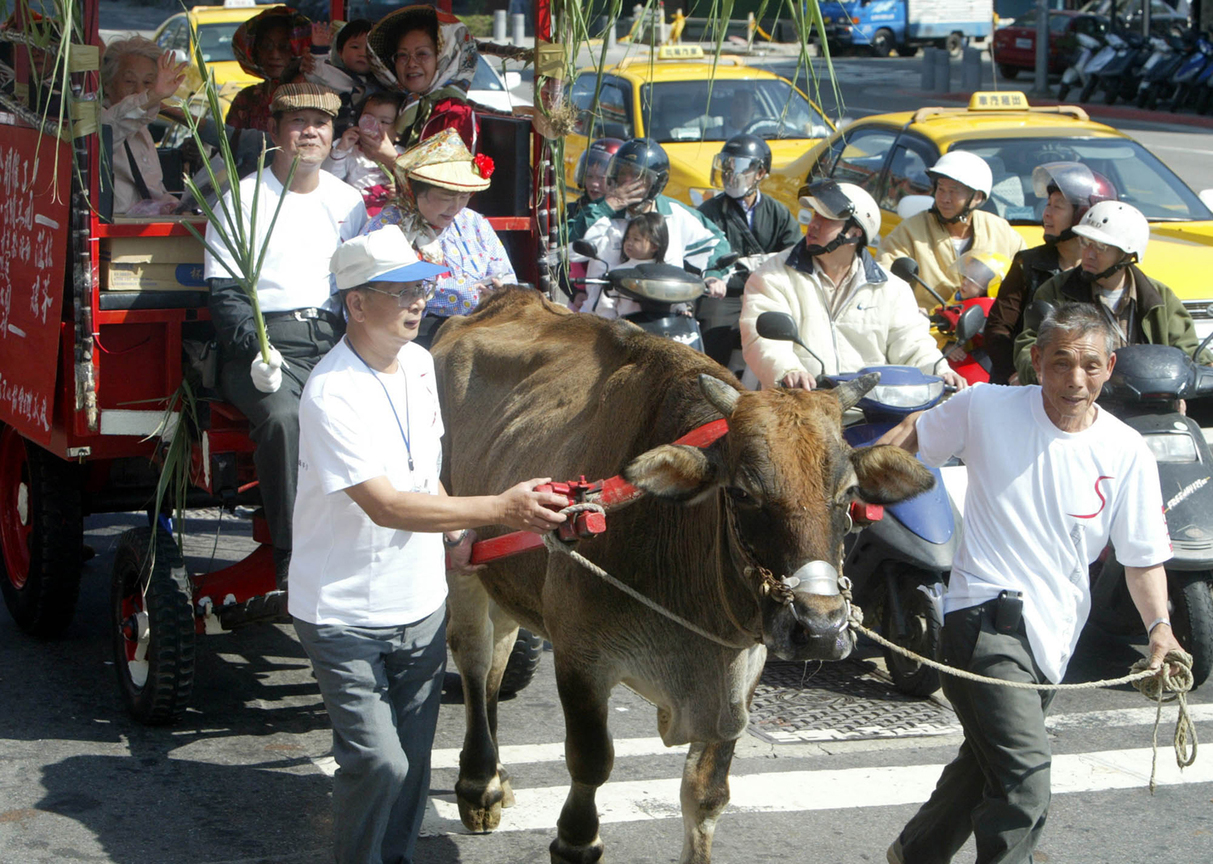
(405, 435)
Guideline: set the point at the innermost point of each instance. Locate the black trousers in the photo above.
(274, 417)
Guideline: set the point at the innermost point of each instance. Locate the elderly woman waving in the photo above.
(436, 180)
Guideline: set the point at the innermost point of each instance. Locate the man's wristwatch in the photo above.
(451, 544)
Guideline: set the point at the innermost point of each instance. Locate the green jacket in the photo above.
(1161, 317)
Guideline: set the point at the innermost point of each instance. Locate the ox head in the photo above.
(788, 479)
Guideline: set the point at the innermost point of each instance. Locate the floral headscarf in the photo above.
(445, 147)
(457, 60)
(299, 32)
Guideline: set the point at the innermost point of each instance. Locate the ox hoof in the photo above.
(480, 806)
(566, 853)
(507, 794)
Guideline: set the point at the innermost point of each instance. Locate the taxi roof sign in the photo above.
(1012, 100)
(680, 52)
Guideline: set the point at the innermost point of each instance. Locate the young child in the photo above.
(347, 70)
(981, 273)
(645, 241)
(348, 160)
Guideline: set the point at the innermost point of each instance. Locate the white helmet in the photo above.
(1117, 224)
(964, 167)
(842, 201)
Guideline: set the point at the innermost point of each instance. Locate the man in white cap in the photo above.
(301, 319)
(936, 238)
(848, 309)
(1112, 239)
(368, 587)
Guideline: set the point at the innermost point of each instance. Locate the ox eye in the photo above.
(737, 494)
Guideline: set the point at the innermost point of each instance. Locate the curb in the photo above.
(1097, 112)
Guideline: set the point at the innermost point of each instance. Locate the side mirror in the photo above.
(180, 56)
(971, 322)
(777, 325)
(1206, 197)
(905, 269)
(1036, 313)
(586, 249)
(512, 80)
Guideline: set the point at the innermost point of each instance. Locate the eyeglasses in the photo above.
(1088, 243)
(409, 294)
(421, 55)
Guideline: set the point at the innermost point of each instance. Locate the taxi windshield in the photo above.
(215, 40)
(1139, 177)
(769, 108)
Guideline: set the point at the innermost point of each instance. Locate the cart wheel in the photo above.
(41, 535)
(152, 616)
(1192, 622)
(923, 626)
(524, 660)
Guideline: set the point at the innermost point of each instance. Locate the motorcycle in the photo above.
(957, 327)
(898, 563)
(1076, 74)
(1185, 78)
(1119, 76)
(1169, 52)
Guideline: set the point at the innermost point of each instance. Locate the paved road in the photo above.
(244, 778)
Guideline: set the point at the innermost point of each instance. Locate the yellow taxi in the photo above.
(889, 154)
(215, 26)
(666, 97)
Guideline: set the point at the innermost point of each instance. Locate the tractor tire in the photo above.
(1011, 72)
(524, 660)
(1192, 622)
(924, 627)
(152, 616)
(882, 42)
(41, 535)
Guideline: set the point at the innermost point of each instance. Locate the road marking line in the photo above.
(798, 791)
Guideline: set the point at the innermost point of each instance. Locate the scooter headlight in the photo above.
(906, 395)
(1172, 447)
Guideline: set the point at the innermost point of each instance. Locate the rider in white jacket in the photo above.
(848, 310)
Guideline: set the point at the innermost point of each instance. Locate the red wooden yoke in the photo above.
(611, 492)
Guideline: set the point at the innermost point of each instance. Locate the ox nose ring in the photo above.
(814, 577)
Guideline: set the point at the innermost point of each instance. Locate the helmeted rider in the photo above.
(981, 274)
(1069, 190)
(848, 309)
(936, 238)
(755, 225)
(1113, 237)
(635, 176)
(590, 173)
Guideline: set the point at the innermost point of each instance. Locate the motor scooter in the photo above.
(1169, 52)
(1113, 43)
(957, 326)
(899, 564)
(1186, 78)
(1076, 74)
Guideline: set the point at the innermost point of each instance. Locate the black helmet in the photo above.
(595, 159)
(742, 154)
(643, 158)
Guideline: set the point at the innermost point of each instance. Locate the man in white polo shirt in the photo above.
(368, 581)
(1052, 479)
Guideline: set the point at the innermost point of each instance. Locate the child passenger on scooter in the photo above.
(645, 241)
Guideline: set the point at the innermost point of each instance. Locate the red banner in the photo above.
(34, 226)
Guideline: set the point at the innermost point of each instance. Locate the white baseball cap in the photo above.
(381, 256)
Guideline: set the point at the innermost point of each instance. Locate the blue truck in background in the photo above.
(885, 26)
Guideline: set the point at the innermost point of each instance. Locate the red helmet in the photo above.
(1081, 186)
(595, 159)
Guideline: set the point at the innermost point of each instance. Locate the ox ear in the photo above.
(888, 474)
(675, 471)
(722, 396)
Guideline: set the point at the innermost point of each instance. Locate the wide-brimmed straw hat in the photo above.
(298, 97)
(443, 160)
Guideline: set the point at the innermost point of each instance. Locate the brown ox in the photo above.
(530, 390)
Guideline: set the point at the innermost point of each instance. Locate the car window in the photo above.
(863, 157)
(1138, 175)
(908, 172)
(168, 36)
(216, 41)
(485, 78)
(613, 119)
(767, 107)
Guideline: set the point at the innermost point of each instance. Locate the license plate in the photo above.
(1023, 43)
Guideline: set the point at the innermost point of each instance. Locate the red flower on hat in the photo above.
(484, 165)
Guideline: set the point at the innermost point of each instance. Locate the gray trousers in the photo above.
(998, 787)
(274, 417)
(382, 687)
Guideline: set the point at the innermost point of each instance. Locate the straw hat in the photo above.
(443, 160)
(298, 97)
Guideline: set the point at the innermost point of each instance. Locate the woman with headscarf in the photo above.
(430, 56)
(436, 179)
(271, 46)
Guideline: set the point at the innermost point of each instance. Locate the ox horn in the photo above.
(720, 394)
(850, 392)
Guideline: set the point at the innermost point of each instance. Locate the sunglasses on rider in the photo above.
(1088, 243)
(409, 294)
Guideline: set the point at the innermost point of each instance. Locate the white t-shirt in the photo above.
(345, 569)
(1040, 507)
(310, 227)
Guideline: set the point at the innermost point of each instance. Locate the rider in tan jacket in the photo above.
(936, 238)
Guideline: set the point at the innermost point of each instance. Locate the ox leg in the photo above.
(477, 632)
(705, 792)
(590, 755)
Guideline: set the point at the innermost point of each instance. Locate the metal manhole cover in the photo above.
(804, 702)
